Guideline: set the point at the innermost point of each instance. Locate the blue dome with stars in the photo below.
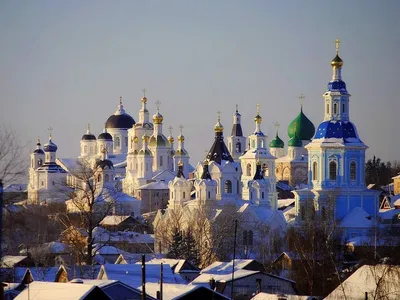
(338, 130)
(337, 86)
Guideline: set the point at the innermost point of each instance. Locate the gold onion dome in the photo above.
(258, 119)
(158, 118)
(144, 100)
(181, 138)
(218, 127)
(337, 62)
(171, 139)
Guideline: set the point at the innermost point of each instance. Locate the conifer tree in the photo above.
(176, 248)
(191, 252)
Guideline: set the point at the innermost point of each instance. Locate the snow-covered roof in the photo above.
(9, 261)
(131, 274)
(57, 248)
(266, 296)
(113, 220)
(157, 185)
(285, 202)
(176, 264)
(204, 279)
(365, 280)
(54, 290)
(224, 267)
(12, 188)
(102, 235)
(357, 218)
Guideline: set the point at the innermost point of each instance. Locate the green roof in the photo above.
(295, 142)
(302, 126)
(276, 142)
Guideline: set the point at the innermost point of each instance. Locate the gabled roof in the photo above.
(358, 218)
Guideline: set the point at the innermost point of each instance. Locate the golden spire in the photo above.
(258, 118)
(337, 62)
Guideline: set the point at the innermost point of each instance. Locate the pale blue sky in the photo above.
(65, 63)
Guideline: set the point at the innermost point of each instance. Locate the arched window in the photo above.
(332, 170)
(238, 147)
(353, 171)
(327, 108)
(250, 238)
(245, 237)
(302, 212)
(315, 170)
(85, 149)
(262, 195)
(31, 163)
(228, 187)
(248, 170)
(265, 169)
(161, 161)
(343, 107)
(209, 194)
(106, 178)
(126, 141)
(117, 142)
(335, 108)
(40, 162)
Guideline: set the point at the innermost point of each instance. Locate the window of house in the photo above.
(315, 170)
(245, 237)
(332, 170)
(353, 171)
(228, 187)
(262, 195)
(42, 183)
(250, 238)
(40, 162)
(184, 194)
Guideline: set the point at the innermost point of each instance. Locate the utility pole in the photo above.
(1, 218)
(143, 277)
(161, 280)
(233, 261)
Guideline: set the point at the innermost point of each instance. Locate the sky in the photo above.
(66, 63)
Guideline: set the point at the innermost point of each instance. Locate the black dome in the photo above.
(105, 163)
(39, 151)
(88, 137)
(105, 136)
(120, 121)
(50, 147)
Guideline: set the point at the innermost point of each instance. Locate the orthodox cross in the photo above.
(258, 109)
(158, 105)
(170, 130)
(120, 100)
(301, 98)
(181, 128)
(337, 43)
(237, 108)
(144, 93)
(219, 116)
(277, 127)
(88, 127)
(50, 129)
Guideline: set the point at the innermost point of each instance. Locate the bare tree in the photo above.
(12, 164)
(91, 199)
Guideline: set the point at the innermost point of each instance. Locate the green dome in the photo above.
(303, 127)
(276, 142)
(295, 142)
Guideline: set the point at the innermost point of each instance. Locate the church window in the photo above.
(302, 212)
(238, 147)
(42, 183)
(237, 186)
(353, 170)
(161, 161)
(53, 183)
(106, 177)
(253, 145)
(250, 238)
(248, 170)
(209, 195)
(262, 195)
(343, 107)
(335, 108)
(117, 142)
(265, 169)
(184, 195)
(228, 187)
(245, 237)
(327, 108)
(172, 195)
(31, 163)
(332, 170)
(40, 162)
(126, 141)
(315, 170)
(147, 166)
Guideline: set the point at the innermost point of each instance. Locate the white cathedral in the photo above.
(243, 174)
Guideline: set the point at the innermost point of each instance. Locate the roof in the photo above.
(226, 267)
(176, 264)
(54, 290)
(219, 152)
(113, 220)
(158, 185)
(344, 130)
(9, 261)
(302, 127)
(365, 279)
(357, 218)
(15, 188)
(266, 296)
(204, 279)
(124, 121)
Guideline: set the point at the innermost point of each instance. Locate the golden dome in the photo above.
(337, 62)
(144, 100)
(258, 119)
(181, 138)
(158, 118)
(171, 139)
(218, 127)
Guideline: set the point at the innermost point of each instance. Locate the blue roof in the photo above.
(337, 129)
(337, 86)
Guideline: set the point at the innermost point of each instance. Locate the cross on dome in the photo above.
(50, 129)
(337, 43)
(277, 126)
(237, 107)
(301, 99)
(258, 109)
(181, 128)
(120, 100)
(219, 116)
(170, 129)
(144, 92)
(158, 105)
